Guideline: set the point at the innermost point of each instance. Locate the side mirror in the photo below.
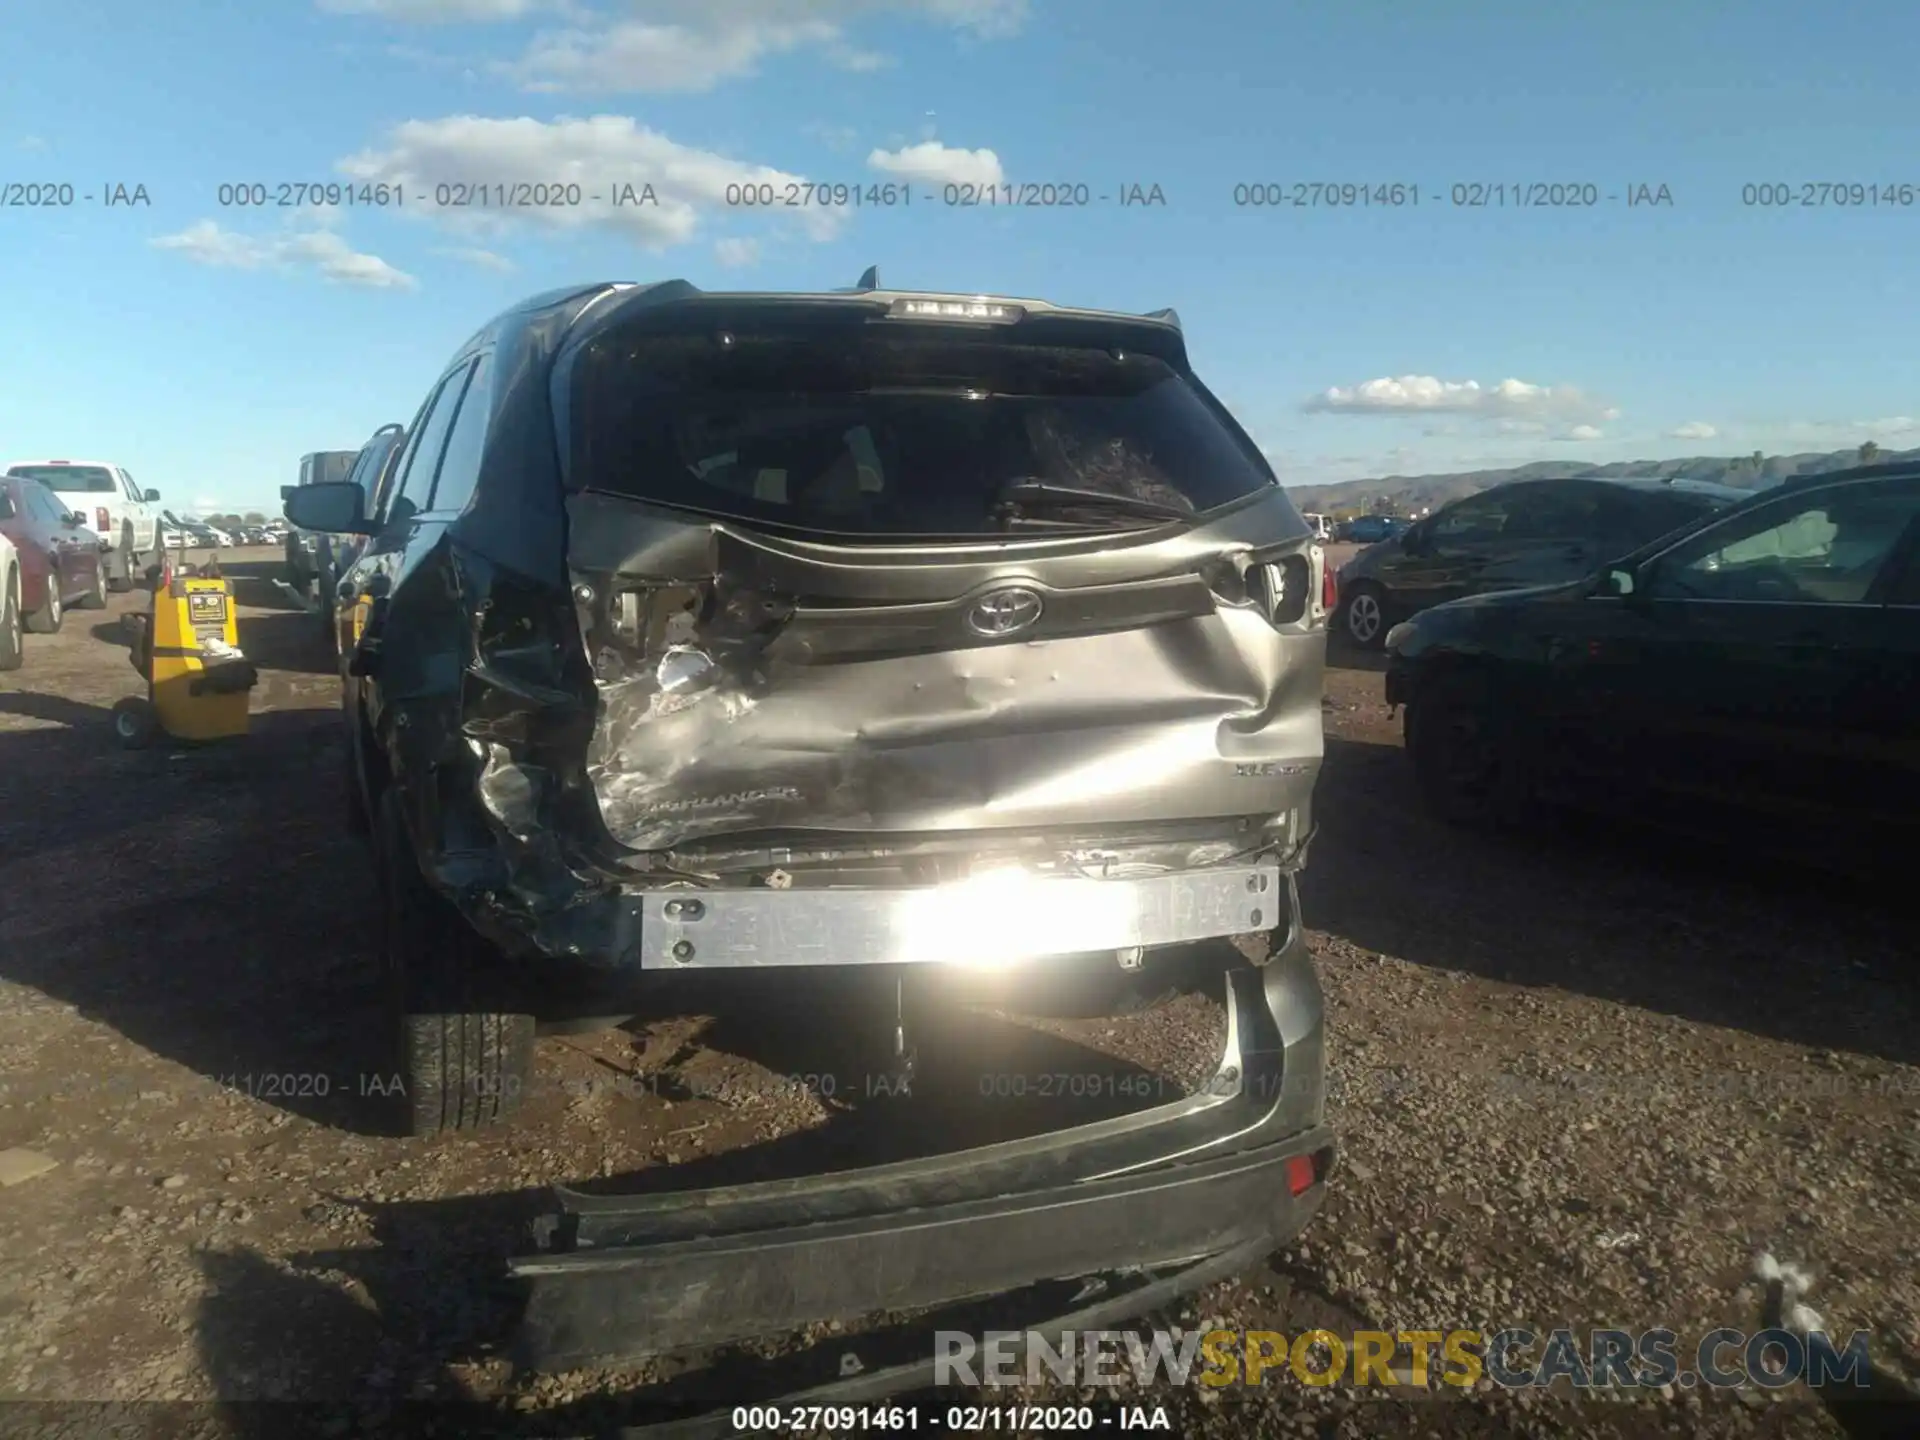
(331, 508)
(1625, 585)
(152, 497)
(1413, 539)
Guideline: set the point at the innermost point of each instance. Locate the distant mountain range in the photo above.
(1415, 492)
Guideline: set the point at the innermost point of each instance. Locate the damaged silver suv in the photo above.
(862, 629)
(885, 634)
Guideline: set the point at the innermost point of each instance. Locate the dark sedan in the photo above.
(1763, 662)
(1531, 532)
(62, 562)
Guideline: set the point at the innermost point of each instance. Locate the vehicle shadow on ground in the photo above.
(1645, 919)
(979, 1076)
(219, 942)
(1345, 655)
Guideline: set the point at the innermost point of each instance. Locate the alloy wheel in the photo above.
(1364, 617)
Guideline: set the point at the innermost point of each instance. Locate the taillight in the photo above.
(100, 520)
(1329, 588)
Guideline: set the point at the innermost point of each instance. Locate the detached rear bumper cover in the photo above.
(625, 1277)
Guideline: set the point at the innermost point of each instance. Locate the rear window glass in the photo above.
(71, 479)
(889, 431)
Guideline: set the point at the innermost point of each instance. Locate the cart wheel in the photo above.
(135, 723)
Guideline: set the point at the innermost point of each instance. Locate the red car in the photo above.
(61, 562)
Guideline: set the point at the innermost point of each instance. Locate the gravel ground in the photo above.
(1577, 1081)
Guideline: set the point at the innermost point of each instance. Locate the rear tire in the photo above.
(462, 1065)
(12, 640)
(359, 822)
(1363, 617)
(96, 598)
(1469, 757)
(46, 620)
(123, 559)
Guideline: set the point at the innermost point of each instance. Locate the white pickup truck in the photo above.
(113, 506)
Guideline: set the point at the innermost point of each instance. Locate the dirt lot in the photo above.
(1577, 1081)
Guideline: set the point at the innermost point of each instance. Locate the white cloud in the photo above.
(1693, 430)
(1427, 394)
(693, 45)
(32, 143)
(1582, 432)
(601, 154)
(321, 251)
(434, 12)
(735, 252)
(939, 164)
(474, 255)
(206, 503)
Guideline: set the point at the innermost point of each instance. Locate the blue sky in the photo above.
(207, 346)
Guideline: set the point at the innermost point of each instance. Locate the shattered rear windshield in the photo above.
(71, 479)
(882, 430)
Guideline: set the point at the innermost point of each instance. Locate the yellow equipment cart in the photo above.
(199, 685)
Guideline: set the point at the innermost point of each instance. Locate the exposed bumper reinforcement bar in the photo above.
(1006, 917)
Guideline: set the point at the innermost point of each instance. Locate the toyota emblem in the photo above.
(1005, 612)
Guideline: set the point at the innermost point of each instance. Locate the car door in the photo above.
(401, 534)
(1891, 711)
(56, 536)
(1760, 659)
(1443, 557)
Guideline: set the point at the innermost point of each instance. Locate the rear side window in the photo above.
(889, 430)
(1552, 512)
(45, 505)
(73, 479)
(429, 436)
(460, 462)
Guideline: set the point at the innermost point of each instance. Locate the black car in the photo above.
(330, 557)
(877, 634)
(1530, 532)
(1764, 662)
